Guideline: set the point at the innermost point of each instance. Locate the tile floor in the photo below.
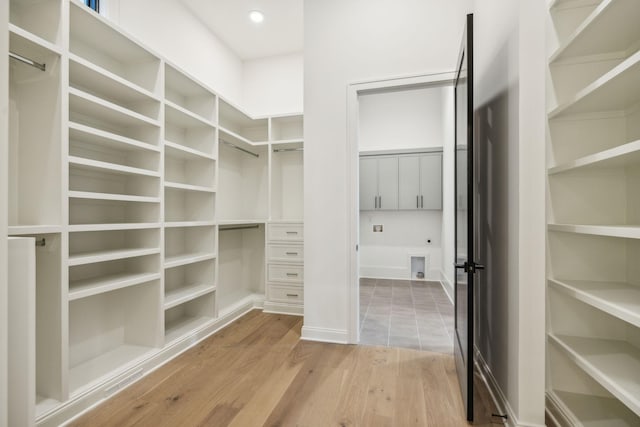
(405, 313)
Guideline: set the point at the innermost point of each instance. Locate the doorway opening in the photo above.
(401, 141)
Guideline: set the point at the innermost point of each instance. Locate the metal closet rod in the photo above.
(240, 148)
(239, 227)
(280, 150)
(25, 60)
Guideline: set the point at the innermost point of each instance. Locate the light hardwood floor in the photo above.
(257, 372)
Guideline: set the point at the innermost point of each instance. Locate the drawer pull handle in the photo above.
(292, 232)
(292, 253)
(292, 274)
(292, 295)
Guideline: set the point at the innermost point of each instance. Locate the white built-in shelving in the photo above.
(593, 352)
(149, 197)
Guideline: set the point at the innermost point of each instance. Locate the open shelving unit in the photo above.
(149, 198)
(593, 158)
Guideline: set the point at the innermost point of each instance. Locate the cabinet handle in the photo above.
(422, 201)
(292, 295)
(380, 203)
(292, 274)
(291, 253)
(375, 202)
(417, 202)
(292, 232)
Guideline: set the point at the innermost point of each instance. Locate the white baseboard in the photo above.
(557, 412)
(283, 308)
(338, 336)
(447, 286)
(498, 397)
(109, 387)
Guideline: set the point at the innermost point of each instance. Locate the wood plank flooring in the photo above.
(257, 372)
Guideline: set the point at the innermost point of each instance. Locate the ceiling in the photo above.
(281, 31)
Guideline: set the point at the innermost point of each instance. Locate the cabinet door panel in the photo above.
(388, 183)
(431, 181)
(368, 184)
(409, 182)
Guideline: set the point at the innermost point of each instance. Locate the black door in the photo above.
(464, 194)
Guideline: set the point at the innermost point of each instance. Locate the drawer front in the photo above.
(286, 232)
(289, 294)
(286, 253)
(285, 273)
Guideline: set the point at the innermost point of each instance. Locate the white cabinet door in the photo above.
(409, 182)
(431, 181)
(388, 183)
(368, 184)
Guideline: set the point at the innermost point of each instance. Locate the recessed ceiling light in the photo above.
(256, 16)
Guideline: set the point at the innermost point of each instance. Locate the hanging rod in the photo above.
(280, 150)
(239, 227)
(240, 148)
(24, 60)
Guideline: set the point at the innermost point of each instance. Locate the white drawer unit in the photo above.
(286, 232)
(286, 294)
(285, 253)
(285, 273)
(285, 268)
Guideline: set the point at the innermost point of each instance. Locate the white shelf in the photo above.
(80, 162)
(108, 139)
(593, 411)
(184, 224)
(183, 152)
(594, 35)
(288, 143)
(624, 231)
(116, 197)
(98, 285)
(613, 364)
(23, 230)
(16, 33)
(109, 255)
(111, 227)
(617, 90)
(188, 187)
(94, 369)
(84, 103)
(184, 118)
(621, 300)
(179, 328)
(621, 156)
(230, 136)
(184, 259)
(88, 75)
(185, 294)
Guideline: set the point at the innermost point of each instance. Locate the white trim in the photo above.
(283, 308)
(337, 336)
(498, 397)
(447, 286)
(81, 404)
(353, 90)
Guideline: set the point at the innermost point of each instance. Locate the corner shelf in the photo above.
(185, 294)
(182, 117)
(109, 255)
(621, 300)
(99, 285)
(615, 91)
(620, 156)
(613, 364)
(188, 187)
(186, 153)
(188, 258)
(588, 38)
(623, 231)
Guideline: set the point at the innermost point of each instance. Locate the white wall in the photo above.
(273, 85)
(387, 254)
(448, 183)
(4, 136)
(170, 29)
(347, 42)
(394, 120)
(401, 119)
(509, 117)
